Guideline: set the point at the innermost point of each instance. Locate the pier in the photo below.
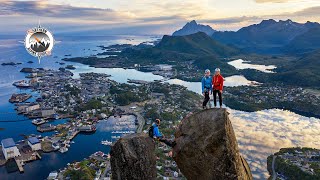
(19, 164)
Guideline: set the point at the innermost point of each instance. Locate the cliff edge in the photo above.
(207, 148)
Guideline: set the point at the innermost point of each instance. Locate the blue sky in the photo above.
(147, 16)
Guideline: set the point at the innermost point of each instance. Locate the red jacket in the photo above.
(217, 82)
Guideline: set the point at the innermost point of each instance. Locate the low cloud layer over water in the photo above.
(262, 133)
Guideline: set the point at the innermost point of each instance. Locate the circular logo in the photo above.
(39, 42)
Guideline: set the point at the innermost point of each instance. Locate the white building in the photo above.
(9, 148)
(53, 175)
(34, 143)
(32, 108)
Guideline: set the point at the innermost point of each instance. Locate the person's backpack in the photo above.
(150, 132)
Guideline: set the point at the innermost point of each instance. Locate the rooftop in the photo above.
(7, 143)
(33, 140)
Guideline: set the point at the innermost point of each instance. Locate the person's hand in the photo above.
(203, 94)
(221, 91)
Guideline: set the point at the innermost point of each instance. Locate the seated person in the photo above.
(155, 133)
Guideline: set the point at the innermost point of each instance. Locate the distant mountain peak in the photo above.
(193, 27)
(193, 22)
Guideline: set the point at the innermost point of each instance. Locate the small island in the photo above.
(70, 67)
(9, 64)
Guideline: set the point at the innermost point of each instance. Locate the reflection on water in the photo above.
(262, 133)
(241, 64)
(120, 75)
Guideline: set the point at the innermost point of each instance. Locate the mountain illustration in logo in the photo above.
(39, 42)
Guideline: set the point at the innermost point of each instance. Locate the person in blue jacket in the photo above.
(158, 135)
(206, 87)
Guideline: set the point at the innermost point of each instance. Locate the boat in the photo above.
(63, 149)
(22, 84)
(106, 142)
(87, 128)
(38, 121)
(122, 132)
(18, 98)
(56, 116)
(115, 137)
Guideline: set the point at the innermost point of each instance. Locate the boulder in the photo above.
(133, 157)
(207, 148)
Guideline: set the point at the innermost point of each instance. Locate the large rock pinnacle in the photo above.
(207, 148)
(132, 157)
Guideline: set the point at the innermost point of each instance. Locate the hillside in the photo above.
(193, 27)
(265, 37)
(305, 42)
(197, 44)
(303, 72)
(198, 50)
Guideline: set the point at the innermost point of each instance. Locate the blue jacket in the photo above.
(206, 83)
(156, 132)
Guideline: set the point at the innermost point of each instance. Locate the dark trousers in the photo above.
(206, 99)
(166, 141)
(215, 98)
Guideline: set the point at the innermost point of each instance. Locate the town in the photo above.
(277, 95)
(299, 163)
(85, 102)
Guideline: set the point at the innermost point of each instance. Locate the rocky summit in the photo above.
(132, 157)
(207, 148)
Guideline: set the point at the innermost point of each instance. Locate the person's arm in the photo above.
(202, 84)
(156, 131)
(211, 86)
(221, 83)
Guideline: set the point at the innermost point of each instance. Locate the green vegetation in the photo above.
(305, 42)
(85, 172)
(92, 104)
(196, 44)
(292, 171)
(292, 163)
(124, 94)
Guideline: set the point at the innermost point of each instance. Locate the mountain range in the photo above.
(268, 37)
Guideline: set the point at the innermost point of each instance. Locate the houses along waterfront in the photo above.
(91, 99)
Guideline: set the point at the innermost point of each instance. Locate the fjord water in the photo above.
(259, 133)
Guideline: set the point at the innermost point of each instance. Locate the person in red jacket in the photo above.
(217, 83)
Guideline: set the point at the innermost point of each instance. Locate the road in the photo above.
(274, 174)
(135, 111)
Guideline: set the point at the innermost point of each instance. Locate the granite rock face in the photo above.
(207, 148)
(133, 157)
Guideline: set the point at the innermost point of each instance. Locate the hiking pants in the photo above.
(215, 98)
(166, 141)
(206, 99)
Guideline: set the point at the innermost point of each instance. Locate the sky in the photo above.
(147, 17)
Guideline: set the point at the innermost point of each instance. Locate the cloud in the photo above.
(263, 133)
(44, 9)
(273, 1)
(232, 20)
(156, 17)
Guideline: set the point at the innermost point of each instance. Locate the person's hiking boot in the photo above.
(173, 144)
